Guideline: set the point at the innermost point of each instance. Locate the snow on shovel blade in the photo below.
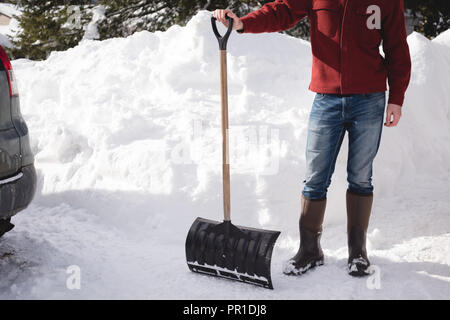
(232, 252)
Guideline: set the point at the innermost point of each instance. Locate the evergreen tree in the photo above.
(123, 18)
(48, 26)
(434, 15)
(54, 25)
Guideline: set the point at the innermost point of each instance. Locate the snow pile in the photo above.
(142, 114)
(126, 134)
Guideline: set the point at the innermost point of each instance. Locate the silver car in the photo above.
(17, 172)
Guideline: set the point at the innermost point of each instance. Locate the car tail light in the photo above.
(13, 89)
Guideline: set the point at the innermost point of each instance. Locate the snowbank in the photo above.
(124, 114)
(127, 131)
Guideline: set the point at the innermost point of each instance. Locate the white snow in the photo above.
(126, 134)
(8, 9)
(12, 29)
(290, 269)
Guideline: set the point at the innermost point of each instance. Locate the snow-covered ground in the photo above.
(127, 143)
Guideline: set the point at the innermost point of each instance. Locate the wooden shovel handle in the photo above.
(225, 149)
(224, 107)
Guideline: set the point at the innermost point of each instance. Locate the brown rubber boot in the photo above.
(358, 215)
(310, 253)
(5, 226)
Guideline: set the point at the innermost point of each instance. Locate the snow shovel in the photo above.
(222, 249)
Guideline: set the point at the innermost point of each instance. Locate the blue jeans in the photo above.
(361, 115)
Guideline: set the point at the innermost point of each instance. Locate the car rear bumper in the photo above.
(17, 192)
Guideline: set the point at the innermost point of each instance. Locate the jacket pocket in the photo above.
(368, 26)
(325, 17)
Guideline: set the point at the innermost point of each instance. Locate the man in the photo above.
(349, 76)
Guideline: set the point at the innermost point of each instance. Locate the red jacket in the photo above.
(346, 56)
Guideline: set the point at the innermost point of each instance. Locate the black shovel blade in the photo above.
(233, 252)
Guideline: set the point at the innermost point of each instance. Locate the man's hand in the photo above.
(393, 115)
(220, 15)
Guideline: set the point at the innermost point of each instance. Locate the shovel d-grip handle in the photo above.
(222, 39)
(224, 109)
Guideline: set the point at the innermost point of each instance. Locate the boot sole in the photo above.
(309, 266)
(359, 272)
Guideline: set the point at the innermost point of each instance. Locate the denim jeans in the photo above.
(360, 115)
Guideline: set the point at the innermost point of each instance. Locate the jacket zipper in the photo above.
(341, 40)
